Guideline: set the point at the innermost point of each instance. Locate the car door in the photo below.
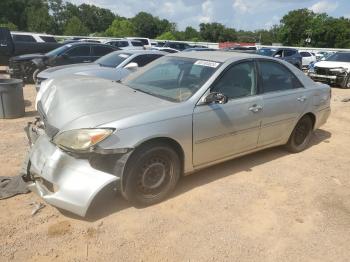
(77, 54)
(284, 101)
(223, 130)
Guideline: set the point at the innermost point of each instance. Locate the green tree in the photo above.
(120, 28)
(38, 19)
(191, 33)
(9, 25)
(167, 36)
(145, 25)
(294, 26)
(75, 27)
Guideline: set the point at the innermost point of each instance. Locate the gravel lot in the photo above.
(269, 206)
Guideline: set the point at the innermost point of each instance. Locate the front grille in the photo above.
(326, 71)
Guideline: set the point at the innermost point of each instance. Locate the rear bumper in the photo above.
(63, 180)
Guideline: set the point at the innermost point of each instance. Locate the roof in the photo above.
(218, 56)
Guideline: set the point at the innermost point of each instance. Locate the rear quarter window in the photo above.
(48, 39)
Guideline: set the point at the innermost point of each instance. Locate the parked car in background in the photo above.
(165, 49)
(110, 66)
(199, 49)
(334, 70)
(180, 46)
(146, 42)
(290, 55)
(307, 58)
(184, 112)
(20, 43)
(126, 44)
(242, 49)
(27, 67)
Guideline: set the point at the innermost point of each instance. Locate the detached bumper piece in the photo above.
(63, 180)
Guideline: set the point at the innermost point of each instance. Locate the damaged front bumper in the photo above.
(328, 79)
(63, 180)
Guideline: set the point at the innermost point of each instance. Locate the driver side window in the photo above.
(238, 81)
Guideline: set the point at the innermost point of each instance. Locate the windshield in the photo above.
(266, 51)
(339, 57)
(174, 79)
(58, 50)
(112, 59)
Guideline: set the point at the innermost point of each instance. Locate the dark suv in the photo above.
(290, 55)
(26, 67)
(177, 45)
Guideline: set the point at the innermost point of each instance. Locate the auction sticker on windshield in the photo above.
(207, 63)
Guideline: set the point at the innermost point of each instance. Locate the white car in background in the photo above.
(307, 58)
(126, 44)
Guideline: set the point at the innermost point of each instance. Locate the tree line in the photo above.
(300, 27)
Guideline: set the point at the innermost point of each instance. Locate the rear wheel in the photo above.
(151, 174)
(301, 135)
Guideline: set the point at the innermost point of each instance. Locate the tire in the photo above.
(301, 135)
(151, 174)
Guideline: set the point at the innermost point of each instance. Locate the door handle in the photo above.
(86, 61)
(255, 108)
(301, 99)
(3, 45)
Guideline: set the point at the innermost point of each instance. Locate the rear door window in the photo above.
(101, 50)
(276, 77)
(79, 51)
(289, 52)
(136, 43)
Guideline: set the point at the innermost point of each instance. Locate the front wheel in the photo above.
(301, 135)
(151, 174)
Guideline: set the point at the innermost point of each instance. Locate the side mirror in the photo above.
(132, 66)
(64, 56)
(277, 56)
(216, 98)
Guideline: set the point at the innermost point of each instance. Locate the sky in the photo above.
(239, 14)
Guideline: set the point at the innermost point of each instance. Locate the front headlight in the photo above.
(81, 140)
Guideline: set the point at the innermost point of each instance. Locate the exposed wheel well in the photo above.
(170, 142)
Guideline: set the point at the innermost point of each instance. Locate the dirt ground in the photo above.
(268, 206)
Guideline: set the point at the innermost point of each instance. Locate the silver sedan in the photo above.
(179, 114)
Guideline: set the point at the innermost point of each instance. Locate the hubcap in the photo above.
(154, 175)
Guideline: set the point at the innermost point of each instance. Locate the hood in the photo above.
(57, 71)
(115, 74)
(333, 64)
(27, 57)
(83, 102)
